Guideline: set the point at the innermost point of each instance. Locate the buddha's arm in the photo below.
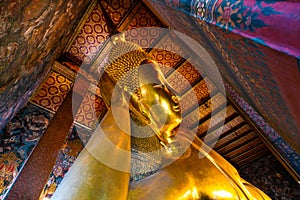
(89, 178)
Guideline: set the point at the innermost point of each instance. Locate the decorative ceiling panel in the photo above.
(216, 101)
(117, 9)
(166, 59)
(232, 136)
(141, 17)
(237, 152)
(204, 110)
(144, 37)
(261, 153)
(233, 123)
(184, 78)
(193, 118)
(65, 71)
(168, 53)
(200, 92)
(259, 147)
(91, 108)
(219, 132)
(214, 121)
(52, 92)
(90, 38)
(238, 142)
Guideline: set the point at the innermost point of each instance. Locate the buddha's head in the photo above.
(152, 101)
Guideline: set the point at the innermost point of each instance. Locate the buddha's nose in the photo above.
(176, 106)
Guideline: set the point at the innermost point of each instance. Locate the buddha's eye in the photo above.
(159, 86)
(142, 108)
(175, 99)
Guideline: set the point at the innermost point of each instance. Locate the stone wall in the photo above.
(32, 35)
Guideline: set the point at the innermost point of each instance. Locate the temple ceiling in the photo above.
(236, 140)
(215, 116)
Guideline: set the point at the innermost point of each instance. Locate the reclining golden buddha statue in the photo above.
(139, 151)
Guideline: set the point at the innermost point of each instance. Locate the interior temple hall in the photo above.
(149, 99)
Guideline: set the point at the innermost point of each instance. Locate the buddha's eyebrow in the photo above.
(158, 86)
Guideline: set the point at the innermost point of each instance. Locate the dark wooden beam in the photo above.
(255, 156)
(234, 140)
(266, 141)
(238, 142)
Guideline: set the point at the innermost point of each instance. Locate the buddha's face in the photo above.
(157, 106)
(161, 105)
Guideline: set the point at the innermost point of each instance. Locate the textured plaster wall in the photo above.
(32, 35)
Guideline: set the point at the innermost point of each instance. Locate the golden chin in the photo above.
(193, 172)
